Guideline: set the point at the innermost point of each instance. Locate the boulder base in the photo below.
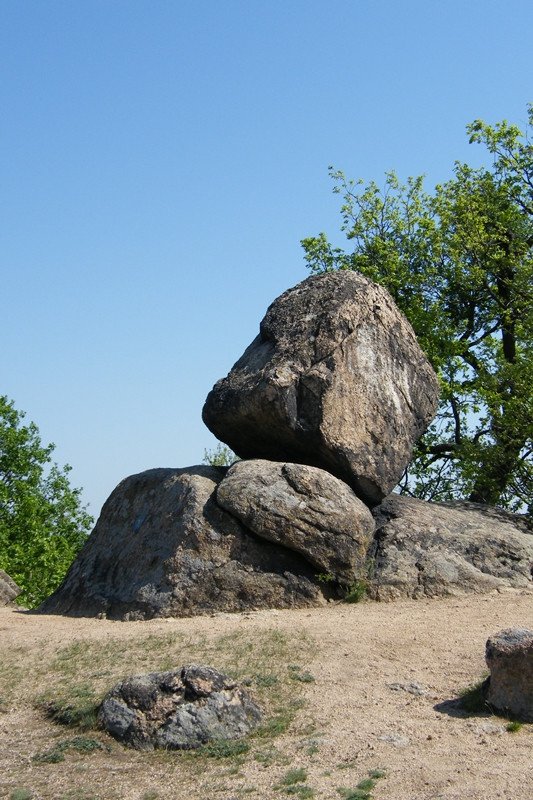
(306, 510)
(162, 547)
(8, 589)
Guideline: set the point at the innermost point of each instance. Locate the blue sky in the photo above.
(162, 159)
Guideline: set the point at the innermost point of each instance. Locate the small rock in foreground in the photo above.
(178, 710)
(509, 656)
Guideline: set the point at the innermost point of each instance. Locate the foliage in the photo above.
(514, 727)
(458, 262)
(221, 456)
(42, 522)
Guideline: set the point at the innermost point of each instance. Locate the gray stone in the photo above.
(509, 657)
(180, 709)
(335, 379)
(430, 549)
(162, 547)
(304, 509)
(8, 589)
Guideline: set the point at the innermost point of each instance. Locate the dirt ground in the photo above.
(383, 676)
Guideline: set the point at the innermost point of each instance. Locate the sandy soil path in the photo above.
(381, 673)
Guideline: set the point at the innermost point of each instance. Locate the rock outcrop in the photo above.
(335, 379)
(164, 547)
(325, 406)
(178, 710)
(430, 549)
(306, 510)
(509, 657)
(8, 589)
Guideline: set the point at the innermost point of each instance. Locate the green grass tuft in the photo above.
(224, 748)
(293, 776)
(473, 698)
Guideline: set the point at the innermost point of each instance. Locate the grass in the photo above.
(78, 674)
(293, 782)
(297, 674)
(294, 776)
(361, 585)
(269, 755)
(473, 699)
(56, 754)
(363, 789)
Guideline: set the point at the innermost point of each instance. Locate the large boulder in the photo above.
(509, 656)
(304, 509)
(163, 547)
(178, 710)
(429, 549)
(8, 589)
(335, 379)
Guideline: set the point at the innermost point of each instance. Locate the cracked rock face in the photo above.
(177, 710)
(430, 549)
(304, 509)
(335, 379)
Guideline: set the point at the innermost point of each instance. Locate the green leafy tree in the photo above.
(42, 522)
(459, 264)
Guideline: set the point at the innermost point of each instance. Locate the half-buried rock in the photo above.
(162, 547)
(181, 709)
(335, 379)
(509, 656)
(305, 509)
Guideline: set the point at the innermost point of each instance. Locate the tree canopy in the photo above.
(459, 263)
(42, 522)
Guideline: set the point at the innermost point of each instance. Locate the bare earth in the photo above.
(360, 713)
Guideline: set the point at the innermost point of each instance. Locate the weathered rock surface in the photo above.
(8, 589)
(304, 509)
(163, 547)
(509, 656)
(335, 379)
(180, 709)
(429, 549)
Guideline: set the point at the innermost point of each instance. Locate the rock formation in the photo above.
(335, 379)
(164, 547)
(325, 406)
(429, 549)
(304, 509)
(8, 589)
(177, 710)
(509, 656)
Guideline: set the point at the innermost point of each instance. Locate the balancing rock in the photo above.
(335, 379)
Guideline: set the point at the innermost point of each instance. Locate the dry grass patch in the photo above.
(54, 692)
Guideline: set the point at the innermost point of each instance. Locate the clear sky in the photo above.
(162, 159)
